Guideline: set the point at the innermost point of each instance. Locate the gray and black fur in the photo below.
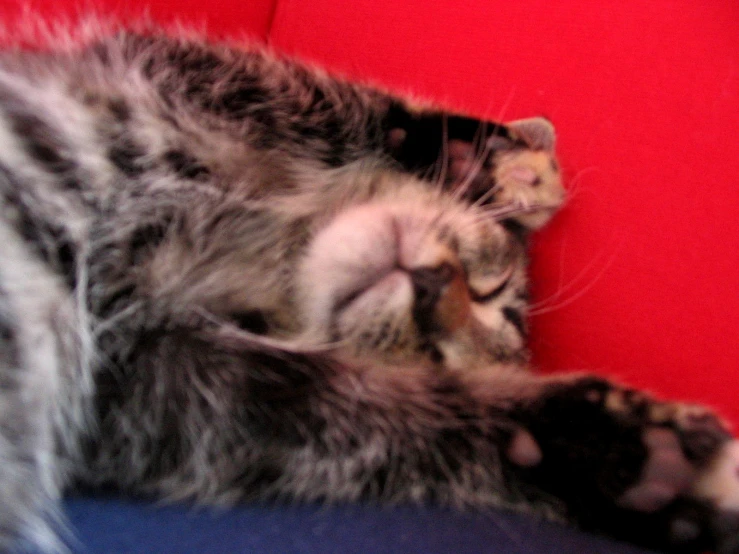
(228, 277)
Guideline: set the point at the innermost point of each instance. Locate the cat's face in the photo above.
(416, 275)
(381, 267)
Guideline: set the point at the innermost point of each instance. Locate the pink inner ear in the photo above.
(461, 159)
(396, 137)
(461, 149)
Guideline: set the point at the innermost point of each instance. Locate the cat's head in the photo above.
(413, 276)
(417, 272)
(514, 169)
(379, 266)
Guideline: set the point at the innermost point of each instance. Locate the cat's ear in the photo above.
(537, 132)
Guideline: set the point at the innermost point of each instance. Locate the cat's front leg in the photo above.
(661, 474)
(42, 392)
(28, 478)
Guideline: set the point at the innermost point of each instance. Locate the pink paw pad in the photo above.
(667, 473)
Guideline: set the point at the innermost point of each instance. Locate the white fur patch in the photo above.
(720, 481)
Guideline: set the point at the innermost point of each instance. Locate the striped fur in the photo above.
(226, 276)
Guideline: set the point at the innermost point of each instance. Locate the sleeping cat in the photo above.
(228, 277)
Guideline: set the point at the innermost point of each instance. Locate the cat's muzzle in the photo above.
(442, 302)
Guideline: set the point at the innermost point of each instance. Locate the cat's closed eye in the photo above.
(485, 289)
(253, 321)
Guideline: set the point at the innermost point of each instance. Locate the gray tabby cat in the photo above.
(226, 277)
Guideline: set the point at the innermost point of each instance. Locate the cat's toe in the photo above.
(702, 433)
(667, 473)
(718, 482)
(523, 449)
(688, 489)
(726, 530)
(689, 453)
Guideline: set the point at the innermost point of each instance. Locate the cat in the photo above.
(227, 276)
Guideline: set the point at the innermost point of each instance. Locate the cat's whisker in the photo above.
(491, 192)
(564, 288)
(504, 107)
(475, 163)
(551, 303)
(443, 175)
(436, 174)
(483, 139)
(500, 212)
(109, 324)
(575, 185)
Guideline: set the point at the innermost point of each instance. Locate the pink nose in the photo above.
(524, 175)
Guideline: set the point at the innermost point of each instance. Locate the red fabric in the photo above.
(236, 19)
(638, 276)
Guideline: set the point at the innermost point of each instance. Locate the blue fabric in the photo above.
(114, 526)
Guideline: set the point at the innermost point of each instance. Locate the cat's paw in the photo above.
(719, 481)
(662, 474)
(510, 168)
(516, 174)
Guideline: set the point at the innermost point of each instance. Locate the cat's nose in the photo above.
(442, 300)
(429, 284)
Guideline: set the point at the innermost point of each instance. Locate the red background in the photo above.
(638, 276)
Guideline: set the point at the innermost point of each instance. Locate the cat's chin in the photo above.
(457, 353)
(393, 287)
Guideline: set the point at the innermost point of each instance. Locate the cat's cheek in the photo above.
(491, 317)
(344, 259)
(380, 318)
